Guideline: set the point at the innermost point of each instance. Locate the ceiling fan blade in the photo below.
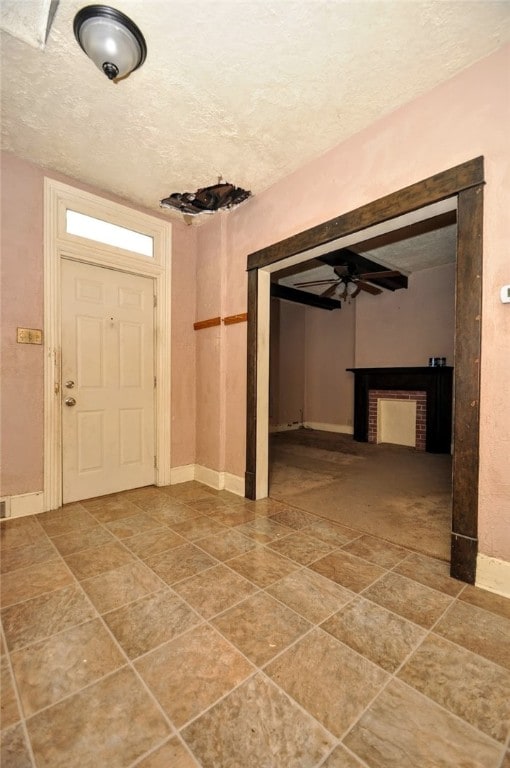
(329, 291)
(368, 288)
(382, 273)
(318, 282)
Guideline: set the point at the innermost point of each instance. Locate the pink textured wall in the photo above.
(274, 363)
(234, 363)
(183, 363)
(329, 351)
(22, 305)
(467, 116)
(210, 442)
(406, 327)
(291, 363)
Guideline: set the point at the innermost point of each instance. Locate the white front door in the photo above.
(107, 381)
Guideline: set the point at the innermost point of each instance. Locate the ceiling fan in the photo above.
(349, 282)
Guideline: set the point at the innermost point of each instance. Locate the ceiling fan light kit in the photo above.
(350, 279)
(110, 39)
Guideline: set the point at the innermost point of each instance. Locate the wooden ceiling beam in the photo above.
(303, 297)
(361, 264)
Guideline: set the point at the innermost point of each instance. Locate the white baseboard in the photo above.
(182, 474)
(285, 427)
(33, 503)
(493, 574)
(234, 484)
(211, 477)
(24, 504)
(343, 429)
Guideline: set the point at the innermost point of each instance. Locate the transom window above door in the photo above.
(110, 234)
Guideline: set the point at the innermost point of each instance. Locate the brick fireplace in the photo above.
(432, 385)
(419, 397)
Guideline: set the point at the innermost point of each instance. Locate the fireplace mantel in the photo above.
(436, 382)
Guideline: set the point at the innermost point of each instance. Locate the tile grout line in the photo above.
(302, 566)
(394, 677)
(137, 674)
(21, 713)
(153, 751)
(283, 650)
(257, 668)
(129, 664)
(263, 589)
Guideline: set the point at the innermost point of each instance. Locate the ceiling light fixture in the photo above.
(110, 39)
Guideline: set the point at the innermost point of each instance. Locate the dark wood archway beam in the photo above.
(388, 238)
(466, 183)
(423, 193)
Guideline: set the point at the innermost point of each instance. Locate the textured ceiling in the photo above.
(414, 254)
(246, 89)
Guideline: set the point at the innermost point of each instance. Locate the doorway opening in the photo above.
(393, 480)
(460, 189)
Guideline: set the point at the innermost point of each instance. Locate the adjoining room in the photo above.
(384, 306)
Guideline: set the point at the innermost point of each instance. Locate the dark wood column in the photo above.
(250, 487)
(468, 313)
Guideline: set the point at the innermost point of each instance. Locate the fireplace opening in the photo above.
(398, 417)
(430, 387)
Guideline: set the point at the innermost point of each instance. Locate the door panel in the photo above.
(108, 369)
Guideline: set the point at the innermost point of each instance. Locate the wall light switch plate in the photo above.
(505, 294)
(29, 336)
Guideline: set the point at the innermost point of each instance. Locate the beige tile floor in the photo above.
(182, 627)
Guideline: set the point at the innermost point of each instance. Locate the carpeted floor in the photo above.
(397, 493)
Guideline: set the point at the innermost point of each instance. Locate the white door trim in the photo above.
(57, 244)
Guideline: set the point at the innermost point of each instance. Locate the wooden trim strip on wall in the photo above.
(240, 318)
(206, 323)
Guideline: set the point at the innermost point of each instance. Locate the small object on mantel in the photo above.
(206, 200)
(437, 362)
(29, 336)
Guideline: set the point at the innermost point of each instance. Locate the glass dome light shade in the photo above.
(110, 39)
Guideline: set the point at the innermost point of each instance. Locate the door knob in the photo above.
(69, 384)
(70, 401)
